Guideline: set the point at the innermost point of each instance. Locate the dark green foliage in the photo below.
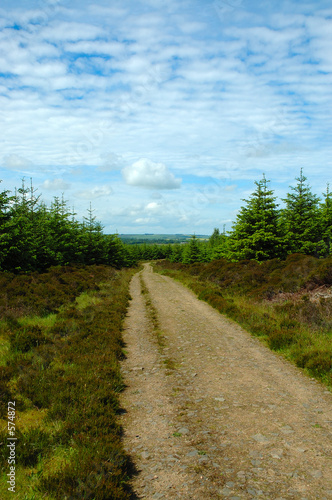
(279, 339)
(192, 252)
(256, 234)
(326, 223)
(89, 479)
(300, 219)
(34, 237)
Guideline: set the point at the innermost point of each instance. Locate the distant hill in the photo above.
(150, 238)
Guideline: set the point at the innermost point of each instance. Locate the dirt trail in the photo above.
(213, 413)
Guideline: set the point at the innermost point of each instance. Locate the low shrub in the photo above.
(317, 360)
(32, 444)
(281, 339)
(24, 339)
(70, 370)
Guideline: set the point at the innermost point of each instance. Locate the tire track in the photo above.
(211, 412)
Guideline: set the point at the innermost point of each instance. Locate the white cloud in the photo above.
(55, 185)
(94, 193)
(225, 90)
(71, 31)
(111, 162)
(148, 174)
(16, 162)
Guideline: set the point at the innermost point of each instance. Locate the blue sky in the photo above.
(163, 114)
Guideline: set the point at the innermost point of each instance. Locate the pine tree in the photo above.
(218, 244)
(300, 219)
(177, 251)
(94, 244)
(326, 223)
(118, 254)
(5, 215)
(18, 231)
(214, 239)
(256, 233)
(191, 252)
(65, 234)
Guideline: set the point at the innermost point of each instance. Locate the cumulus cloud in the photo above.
(148, 174)
(55, 185)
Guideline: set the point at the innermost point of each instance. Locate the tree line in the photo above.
(34, 237)
(263, 231)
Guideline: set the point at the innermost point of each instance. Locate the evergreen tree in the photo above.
(34, 237)
(167, 251)
(256, 233)
(65, 234)
(215, 238)
(94, 245)
(326, 224)
(218, 244)
(205, 254)
(118, 254)
(191, 252)
(18, 232)
(177, 251)
(300, 219)
(5, 215)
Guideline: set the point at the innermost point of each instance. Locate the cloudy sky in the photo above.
(163, 114)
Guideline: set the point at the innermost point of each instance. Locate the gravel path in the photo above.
(211, 412)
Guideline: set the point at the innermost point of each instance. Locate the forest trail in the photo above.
(211, 412)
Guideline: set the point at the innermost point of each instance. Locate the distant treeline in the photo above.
(159, 239)
(34, 237)
(142, 241)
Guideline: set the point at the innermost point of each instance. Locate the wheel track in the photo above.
(230, 419)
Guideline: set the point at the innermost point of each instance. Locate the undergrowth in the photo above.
(274, 300)
(62, 369)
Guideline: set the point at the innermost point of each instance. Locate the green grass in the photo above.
(273, 301)
(62, 369)
(87, 299)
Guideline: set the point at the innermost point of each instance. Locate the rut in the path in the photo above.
(212, 413)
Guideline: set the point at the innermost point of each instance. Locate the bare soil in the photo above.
(211, 412)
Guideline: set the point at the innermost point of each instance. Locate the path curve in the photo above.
(212, 413)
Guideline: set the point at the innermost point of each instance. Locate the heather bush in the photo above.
(68, 371)
(25, 339)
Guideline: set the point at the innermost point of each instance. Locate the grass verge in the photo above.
(60, 365)
(287, 304)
